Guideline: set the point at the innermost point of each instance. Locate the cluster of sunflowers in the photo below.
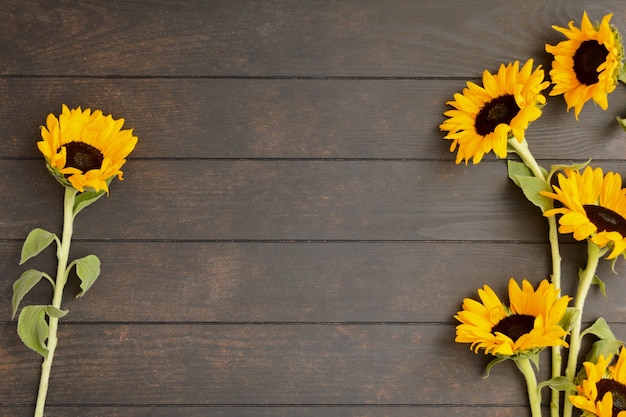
(84, 151)
(590, 205)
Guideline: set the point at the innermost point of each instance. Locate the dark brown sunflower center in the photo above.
(588, 57)
(499, 110)
(619, 394)
(515, 326)
(83, 156)
(605, 220)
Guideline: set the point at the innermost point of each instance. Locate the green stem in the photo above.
(594, 253)
(522, 150)
(527, 157)
(557, 358)
(61, 278)
(534, 395)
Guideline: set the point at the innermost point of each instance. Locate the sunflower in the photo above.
(603, 392)
(593, 206)
(587, 65)
(529, 324)
(485, 117)
(85, 149)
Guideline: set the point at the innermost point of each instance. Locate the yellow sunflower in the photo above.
(587, 65)
(603, 392)
(530, 323)
(85, 149)
(485, 117)
(594, 206)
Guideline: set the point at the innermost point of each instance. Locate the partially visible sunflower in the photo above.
(85, 149)
(587, 65)
(529, 324)
(594, 207)
(603, 392)
(484, 118)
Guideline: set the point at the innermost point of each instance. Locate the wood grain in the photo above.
(287, 118)
(304, 282)
(354, 38)
(197, 364)
(272, 411)
(292, 237)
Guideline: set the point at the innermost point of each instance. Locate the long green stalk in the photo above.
(522, 150)
(594, 253)
(534, 395)
(63, 252)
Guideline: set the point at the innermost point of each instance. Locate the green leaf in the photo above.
(523, 177)
(36, 241)
(32, 328)
(23, 285)
(87, 269)
(607, 345)
(86, 199)
(518, 169)
(600, 328)
(605, 348)
(531, 186)
(558, 383)
(493, 363)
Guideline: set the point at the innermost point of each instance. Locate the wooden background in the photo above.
(292, 237)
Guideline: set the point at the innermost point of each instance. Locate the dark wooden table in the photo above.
(292, 237)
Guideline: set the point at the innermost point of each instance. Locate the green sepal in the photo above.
(88, 270)
(57, 313)
(36, 241)
(561, 167)
(534, 357)
(558, 383)
(621, 76)
(86, 199)
(597, 281)
(570, 318)
(23, 285)
(613, 261)
(621, 122)
(493, 363)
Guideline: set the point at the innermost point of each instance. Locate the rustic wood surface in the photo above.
(292, 237)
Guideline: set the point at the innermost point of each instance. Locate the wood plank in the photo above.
(273, 411)
(227, 365)
(290, 118)
(344, 200)
(305, 282)
(353, 38)
(284, 200)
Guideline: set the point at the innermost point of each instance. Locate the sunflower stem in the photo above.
(594, 253)
(522, 150)
(61, 278)
(534, 394)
